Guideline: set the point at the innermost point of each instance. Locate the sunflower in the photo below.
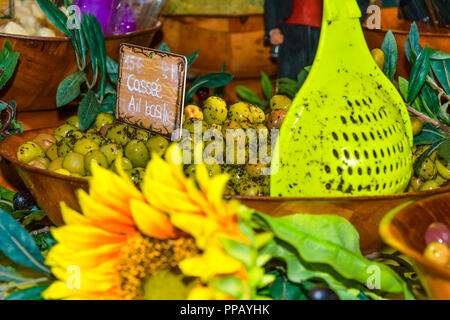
(125, 236)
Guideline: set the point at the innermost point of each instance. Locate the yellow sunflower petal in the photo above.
(72, 217)
(152, 222)
(213, 262)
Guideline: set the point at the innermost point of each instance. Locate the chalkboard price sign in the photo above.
(6, 9)
(150, 90)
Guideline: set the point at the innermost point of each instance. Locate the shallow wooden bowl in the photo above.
(45, 62)
(404, 229)
(365, 213)
(435, 37)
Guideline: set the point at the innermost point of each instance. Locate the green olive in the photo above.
(214, 149)
(137, 152)
(120, 134)
(142, 135)
(429, 185)
(111, 151)
(256, 170)
(232, 130)
(240, 112)
(40, 162)
(237, 175)
(378, 56)
(189, 171)
(136, 175)
(440, 180)
(63, 172)
(52, 152)
(258, 115)
(65, 146)
(29, 151)
(74, 121)
(417, 126)
(75, 135)
(194, 124)
(264, 184)
(96, 138)
(103, 119)
(126, 164)
(44, 140)
(94, 156)
(63, 130)
(236, 153)
(74, 162)
(280, 102)
(213, 169)
(214, 110)
(428, 170)
(157, 144)
(83, 146)
(56, 164)
(248, 188)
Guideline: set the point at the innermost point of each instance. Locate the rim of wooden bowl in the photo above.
(388, 236)
(156, 27)
(13, 159)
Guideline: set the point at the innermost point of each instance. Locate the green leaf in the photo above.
(430, 101)
(88, 31)
(100, 50)
(18, 245)
(81, 41)
(333, 241)
(88, 110)
(211, 80)
(403, 85)
(191, 58)
(113, 69)
(56, 16)
(9, 276)
(418, 164)
(6, 206)
(164, 47)
(419, 74)
(239, 251)
(444, 150)
(6, 51)
(283, 289)
(69, 88)
(441, 69)
(266, 85)
(248, 95)
(6, 194)
(426, 137)
(231, 285)
(412, 46)
(8, 66)
(438, 55)
(34, 216)
(389, 48)
(33, 293)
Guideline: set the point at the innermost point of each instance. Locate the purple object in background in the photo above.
(121, 19)
(99, 8)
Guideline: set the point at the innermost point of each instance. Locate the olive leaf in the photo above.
(33, 293)
(266, 85)
(441, 69)
(9, 276)
(419, 74)
(412, 46)
(248, 95)
(18, 245)
(211, 80)
(164, 47)
(192, 57)
(88, 110)
(444, 150)
(69, 89)
(112, 68)
(418, 163)
(389, 48)
(8, 63)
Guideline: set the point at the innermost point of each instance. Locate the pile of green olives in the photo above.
(432, 172)
(70, 151)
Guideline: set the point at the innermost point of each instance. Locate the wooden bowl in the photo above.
(45, 62)
(404, 229)
(365, 213)
(433, 36)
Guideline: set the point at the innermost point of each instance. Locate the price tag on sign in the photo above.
(6, 9)
(150, 90)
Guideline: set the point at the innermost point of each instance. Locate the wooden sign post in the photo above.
(150, 90)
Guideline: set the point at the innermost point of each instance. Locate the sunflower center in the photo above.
(143, 257)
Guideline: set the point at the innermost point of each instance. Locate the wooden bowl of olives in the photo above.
(420, 230)
(53, 163)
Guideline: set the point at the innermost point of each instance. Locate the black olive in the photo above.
(23, 200)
